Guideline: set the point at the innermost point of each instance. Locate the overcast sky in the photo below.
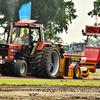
(74, 29)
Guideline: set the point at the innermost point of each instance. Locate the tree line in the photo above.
(55, 15)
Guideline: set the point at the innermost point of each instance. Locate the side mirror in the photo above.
(83, 32)
(45, 39)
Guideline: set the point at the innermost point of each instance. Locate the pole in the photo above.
(30, 9)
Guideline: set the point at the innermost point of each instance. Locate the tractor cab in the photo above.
(19, 36)
(25, 32)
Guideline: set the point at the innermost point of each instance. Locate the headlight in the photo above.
(6, 57)
(12, 50)
(26, 24)
(0, 57)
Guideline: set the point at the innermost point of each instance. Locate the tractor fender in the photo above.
(23, 58)
(42, 45)
(72, 66)
(26, 59)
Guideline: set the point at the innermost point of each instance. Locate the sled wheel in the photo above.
(20, 68)
(77, 72)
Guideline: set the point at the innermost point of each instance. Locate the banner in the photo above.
(25, 11)
(25, 14)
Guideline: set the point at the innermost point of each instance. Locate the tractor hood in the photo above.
(92, 54)
(11, 46)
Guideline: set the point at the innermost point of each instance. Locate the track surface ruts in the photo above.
(49, 92)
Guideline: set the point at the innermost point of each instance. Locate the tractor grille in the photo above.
(4, 46)
(3, 53)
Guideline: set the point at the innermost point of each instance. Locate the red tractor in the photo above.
(27, 52)
(92, 48)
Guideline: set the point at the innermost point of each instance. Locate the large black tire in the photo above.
(47, 63)
(3, 72)
(20, 68)
(77, 72)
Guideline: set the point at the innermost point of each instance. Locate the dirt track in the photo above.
(49, 92)
(90, 78)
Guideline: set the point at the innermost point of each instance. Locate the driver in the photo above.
(25, 36)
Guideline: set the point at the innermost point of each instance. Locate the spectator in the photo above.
(79, 53)
(71, 53)
(60, 50)
(75, 52)
(66, 52)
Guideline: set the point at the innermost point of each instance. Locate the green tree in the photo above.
(96, 10)
(55, 15)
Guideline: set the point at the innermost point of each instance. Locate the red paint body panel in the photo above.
(41, 45)
(10, 55)
(15, 46)
(19, 24)
(68, 55)
(92, 54)
(28, 24)
(72, 66)
(92, 69)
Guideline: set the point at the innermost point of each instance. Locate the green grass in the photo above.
(95, 74)
(48, 82)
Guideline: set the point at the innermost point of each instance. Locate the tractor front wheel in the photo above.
(20, 68)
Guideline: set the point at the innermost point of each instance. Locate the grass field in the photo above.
(48, 82)
(94, 73)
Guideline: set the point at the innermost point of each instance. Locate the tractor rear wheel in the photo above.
(77, 72)
(20, 68)
(47, 63)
